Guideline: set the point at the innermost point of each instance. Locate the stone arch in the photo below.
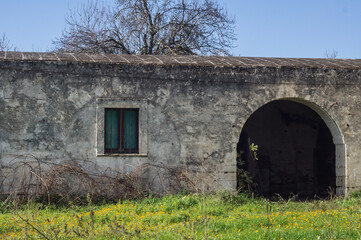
(337, 139)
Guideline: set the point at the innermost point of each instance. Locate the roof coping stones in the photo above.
(169, 60)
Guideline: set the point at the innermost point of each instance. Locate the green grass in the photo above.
(226, 216)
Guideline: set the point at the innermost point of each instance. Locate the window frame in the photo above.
(121, 102)
(121, 136)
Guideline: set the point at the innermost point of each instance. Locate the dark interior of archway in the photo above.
(296, 153)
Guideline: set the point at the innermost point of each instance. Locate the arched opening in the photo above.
(296, 151)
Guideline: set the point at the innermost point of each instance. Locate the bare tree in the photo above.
(5, 44)
(182, 27)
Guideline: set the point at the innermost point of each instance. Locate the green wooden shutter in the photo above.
(130, 129)
(111, 129)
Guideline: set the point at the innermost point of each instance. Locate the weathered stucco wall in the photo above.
(192, 110)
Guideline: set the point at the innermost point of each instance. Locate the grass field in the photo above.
(215, 216)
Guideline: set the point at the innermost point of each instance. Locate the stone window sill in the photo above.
(123, 155)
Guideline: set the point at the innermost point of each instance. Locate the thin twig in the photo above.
(31, 225)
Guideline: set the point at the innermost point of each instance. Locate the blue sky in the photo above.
(264, 28)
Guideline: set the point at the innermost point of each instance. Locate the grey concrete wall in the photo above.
(191, 115)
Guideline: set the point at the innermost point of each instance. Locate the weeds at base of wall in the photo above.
(27, 178)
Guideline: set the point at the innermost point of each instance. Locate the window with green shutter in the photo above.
(121, 130)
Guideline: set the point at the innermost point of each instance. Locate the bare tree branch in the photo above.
(331, 55)
(181, 27)
(5, 44)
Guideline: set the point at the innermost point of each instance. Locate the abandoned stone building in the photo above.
(196, 113)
